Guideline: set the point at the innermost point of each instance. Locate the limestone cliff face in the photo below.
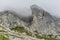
(43, 22)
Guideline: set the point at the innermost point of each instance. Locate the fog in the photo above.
(22, 7)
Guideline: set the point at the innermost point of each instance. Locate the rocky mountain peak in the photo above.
(40, 21)
(43, 21)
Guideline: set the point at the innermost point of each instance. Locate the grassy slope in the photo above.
(22, 30)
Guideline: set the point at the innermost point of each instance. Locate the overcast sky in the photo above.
(23, 6)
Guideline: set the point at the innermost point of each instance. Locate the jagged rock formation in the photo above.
(43, 22)
(11, 20)
(40, 21)
(8, 19)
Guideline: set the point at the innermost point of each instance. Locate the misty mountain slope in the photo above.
(40, 21)
(9, 20)
(43, 22)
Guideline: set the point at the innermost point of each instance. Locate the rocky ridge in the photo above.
(40, 21)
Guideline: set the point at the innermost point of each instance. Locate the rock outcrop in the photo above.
(10, 19)
(40, 21)
(43, 22)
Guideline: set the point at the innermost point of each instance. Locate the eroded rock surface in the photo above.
(40, 21)
(43, 22)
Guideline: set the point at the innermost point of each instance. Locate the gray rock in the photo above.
(40, 21)
(43, 21)
(10, 20)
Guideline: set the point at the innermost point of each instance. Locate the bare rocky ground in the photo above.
(39, 26)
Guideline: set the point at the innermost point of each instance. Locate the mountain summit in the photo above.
(40, 21)
(44, 22)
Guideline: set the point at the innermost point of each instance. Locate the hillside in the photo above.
(39, 26)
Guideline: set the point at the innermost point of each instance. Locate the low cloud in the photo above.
(22, 7)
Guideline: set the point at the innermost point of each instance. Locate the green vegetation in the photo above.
(28, 33)
(45, 37)
(21, 30)
(38, 36)
(3, 38)
(2, 31)
(5, 34)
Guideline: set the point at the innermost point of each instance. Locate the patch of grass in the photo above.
(2, 31)
(19, 29)
(3, 38)
(22, 29)
(38, 36)
(28, 33)
(45, 37)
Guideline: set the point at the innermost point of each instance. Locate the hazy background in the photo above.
(23, 6)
